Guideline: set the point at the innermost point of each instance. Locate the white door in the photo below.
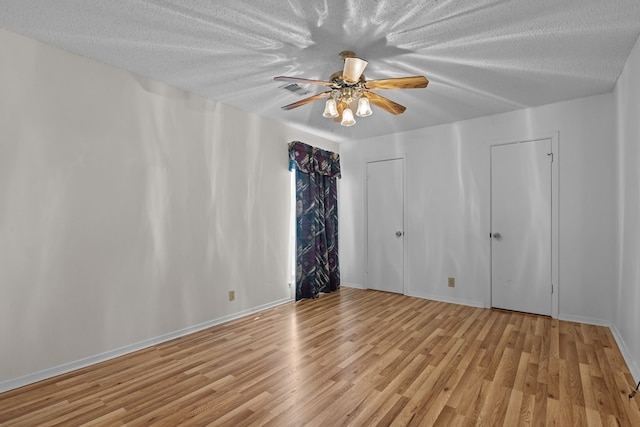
(521, 226)
(385, 225)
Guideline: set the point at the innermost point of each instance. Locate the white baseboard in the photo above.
(351, 285)
(626, 354)
(111, 354)
(581, 319)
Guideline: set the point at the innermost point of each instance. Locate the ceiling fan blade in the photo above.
(384, 103)
(353, 69)
(415, 82)
(301, 80)
(307, 100)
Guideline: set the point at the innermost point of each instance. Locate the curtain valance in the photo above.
(308, 159)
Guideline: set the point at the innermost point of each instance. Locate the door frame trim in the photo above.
(555, 217)
(404, 217)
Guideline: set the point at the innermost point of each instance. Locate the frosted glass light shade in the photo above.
(364, 109)
(330, 109)
(347, 118)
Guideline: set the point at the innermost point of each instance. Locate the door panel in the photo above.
(385, 225)
(521, 226)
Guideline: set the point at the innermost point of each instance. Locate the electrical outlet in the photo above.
(232, 295)
(451, 282)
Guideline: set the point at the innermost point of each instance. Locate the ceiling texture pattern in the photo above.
(481, 57)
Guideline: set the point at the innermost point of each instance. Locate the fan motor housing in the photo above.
(339, 79)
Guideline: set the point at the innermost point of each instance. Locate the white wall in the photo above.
(627, 312)
(447, 190)
(128, 210)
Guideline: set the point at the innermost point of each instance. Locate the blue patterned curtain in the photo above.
(317, 171)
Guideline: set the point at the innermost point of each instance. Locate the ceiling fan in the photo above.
(350, 86)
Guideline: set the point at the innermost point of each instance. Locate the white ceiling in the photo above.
(481, 56)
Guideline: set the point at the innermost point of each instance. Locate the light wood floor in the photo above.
(354, 357)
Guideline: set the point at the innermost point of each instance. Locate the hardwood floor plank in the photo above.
(379, 416)
(527, 410)
(514, 406)
(362, 411)
(593, 418)
(553, 359)
(353, 357)
(446, 417)
(553, 417)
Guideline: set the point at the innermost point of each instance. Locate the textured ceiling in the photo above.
(482, 57)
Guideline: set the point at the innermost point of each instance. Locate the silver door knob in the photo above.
(398, 233)
(497, 236)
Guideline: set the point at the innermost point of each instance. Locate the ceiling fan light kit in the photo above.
(349, 86)
(340, 103)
